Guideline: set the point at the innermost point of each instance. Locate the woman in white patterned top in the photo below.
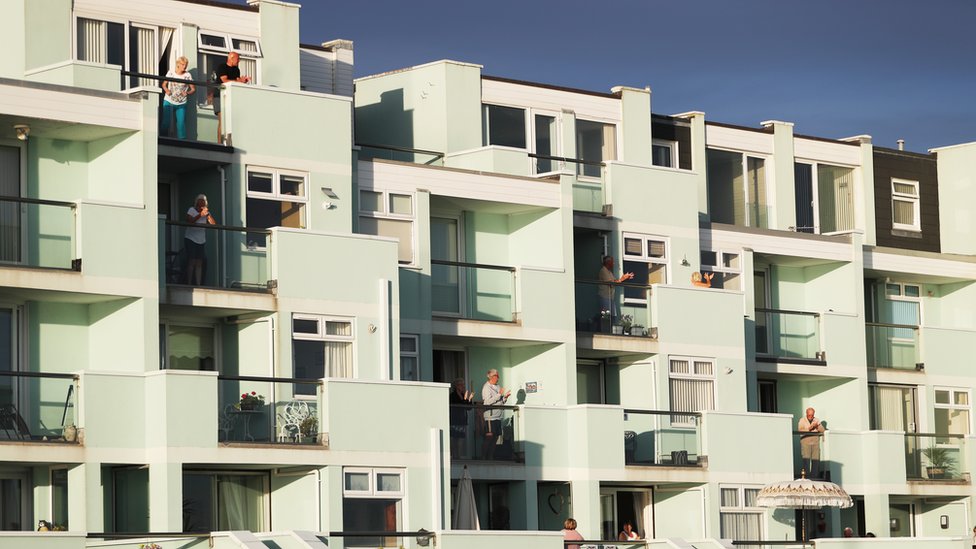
(174, 102)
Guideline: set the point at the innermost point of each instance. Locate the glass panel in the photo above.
(892, 289)
(370, 201)
(958, 422)
(836, 198)
(191, 348)
(595, 142)
(400, 229)
(589, 383)
(661, 155)
(632, 246)
(260, 182)
(333, 327)
(750, 496)
(305, 326)
(240, 502)
(371, 515)
(59, 498)
(506, 126)
(309, 357)
(756, 192)
(292, 185)
(961, 397)
(725, 187)
(357, 482)
(656, 274)
(388, 482)
(905, 188)
(213, 40)
(730, 261)
(656, 248)
(408, 345)
(409, 368)
(709, 258)
(338, 359)
(911, 291)
(131, 490)
(116, 44)
(545, 142)
(249, 46)
(941, 397)
(730, 497)
(401, 204)
(264, 214)
(903, 212)
(198, 502)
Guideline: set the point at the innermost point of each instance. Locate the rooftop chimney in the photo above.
(901, 144)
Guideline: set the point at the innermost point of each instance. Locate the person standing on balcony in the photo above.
(225, 72)
(174, 102)
(460, 401)
(570, 533)
(605, 291)
(628, 533)
(810, 442)
(492, 395)
(195, 240)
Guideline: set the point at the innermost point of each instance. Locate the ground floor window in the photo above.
(740, 517)
(224, 501)
(372, 501)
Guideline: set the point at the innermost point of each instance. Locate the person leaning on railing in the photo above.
(605, 291)
(225, 72)
(195, 239)
(810, 443)
(491, 395)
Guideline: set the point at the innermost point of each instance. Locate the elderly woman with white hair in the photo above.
(195, 239)
(492, 395)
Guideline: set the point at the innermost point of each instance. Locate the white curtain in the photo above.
(10, 221)
(239, 502)
(890, 413)
(91, 40)
(338, 359)
(643, 511)
(144, 58)
(165, 45)
(740, 526)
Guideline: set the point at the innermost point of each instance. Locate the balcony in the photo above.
(813, 468)
(268, 410)
(38, 233)
(234, 258)
(473, 291)
(892, 346)
(662, 438)
(788, 336)
(200, 122)
(936, 458)
(470, 439)
(38, 407)
(613, 308)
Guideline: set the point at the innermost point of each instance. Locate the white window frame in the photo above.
(767, 174)
(968, 408)
(410, 354)
(275, 194)
(672, 145)
(815, 176)
(915, 200)
(691, 360)
(559, 165)
(320, 335)
(385, 213)
(526, 124)
(617, 133)
(740, 507)
(228, 43)
(720, 260)
(646, 258)
(374, 492)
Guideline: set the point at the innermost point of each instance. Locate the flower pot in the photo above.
(936, 472)
(70, 433)
(618, 330)
(604, 325)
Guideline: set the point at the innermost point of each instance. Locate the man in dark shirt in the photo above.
(226, 72)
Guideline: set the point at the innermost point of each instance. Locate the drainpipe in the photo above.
(223, 235)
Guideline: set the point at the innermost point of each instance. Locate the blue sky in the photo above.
(889, 68)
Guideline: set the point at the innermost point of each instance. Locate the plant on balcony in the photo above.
(626, 321)
(250, 401)
(309, 427)
(150, 546)
(941, 464)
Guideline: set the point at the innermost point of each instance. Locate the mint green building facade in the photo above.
(281, 377)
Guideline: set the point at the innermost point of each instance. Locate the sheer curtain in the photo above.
(740, 526)
(890, 404)
(239, 502)
(338, 359)
(144, 58)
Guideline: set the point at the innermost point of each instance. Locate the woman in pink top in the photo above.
(570, 533)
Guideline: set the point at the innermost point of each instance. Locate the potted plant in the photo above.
(626, 322)
(309, 427)
(605, 321)
(250, 401)
(941, 464)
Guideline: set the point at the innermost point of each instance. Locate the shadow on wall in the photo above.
(386, 123)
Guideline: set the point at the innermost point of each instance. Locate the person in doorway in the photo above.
(605, 290)
(628, 533)
(570, 533)
(174, 102)
(810, 441)
(229, 71)
(492, 395)
(195, 240)
(460, 401)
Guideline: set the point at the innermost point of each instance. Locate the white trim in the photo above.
(672, 145)
(374, 492)
(409, 354)
(951, 405)
(691, 375)
(645, 257)
(320, 335)
(385, 196)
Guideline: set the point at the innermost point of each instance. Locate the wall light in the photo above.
(23, 131)
(944, 522)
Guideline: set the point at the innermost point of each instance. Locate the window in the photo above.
(383, 213)
(15, 501)
(504, 126)
(321, 347)
(740, 517)
(275, 198)
(59, 497)
(737, 189)
(664, 153)
(692, 387)
(646, 257)
(725, 267)
(596, 142)
(225, 501)
(372, 501)
(952, 411)
(905, 205)
(824, 197)
(187, 347)
(409, 357)
(891, 407)
(546, 143)
(128, 45)
(213, 48)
